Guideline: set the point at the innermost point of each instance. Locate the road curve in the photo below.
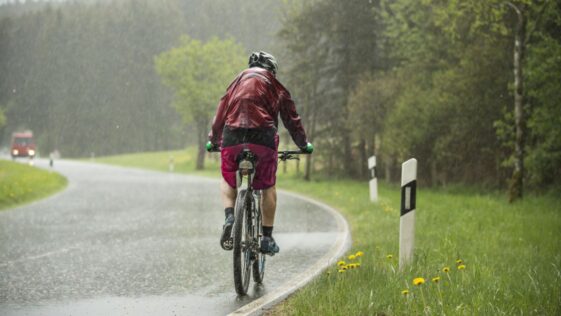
(124, 241)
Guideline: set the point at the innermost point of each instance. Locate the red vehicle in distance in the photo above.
(23, 145)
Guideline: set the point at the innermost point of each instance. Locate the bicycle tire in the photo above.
(259, 262)
(242, 251)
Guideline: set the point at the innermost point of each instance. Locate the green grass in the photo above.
(183, 161)
(20, 184)
(511, 252)
(512, 255)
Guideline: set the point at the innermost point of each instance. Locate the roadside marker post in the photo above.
(408, 205)
(374, 181)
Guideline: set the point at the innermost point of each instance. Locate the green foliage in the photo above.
(369, 104)
(2, 118)
(404, 134)
(81, 74)
(452, 106)
(544, 69)
(21, 184)
(399, 78)
(199, 73)
(253, 23)
(328, 54)
(453, 74)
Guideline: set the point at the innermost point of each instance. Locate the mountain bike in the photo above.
(248, 230)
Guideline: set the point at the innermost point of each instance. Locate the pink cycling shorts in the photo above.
(266, 165)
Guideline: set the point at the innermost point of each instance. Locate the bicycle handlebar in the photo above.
(282, 155)
(291, 154)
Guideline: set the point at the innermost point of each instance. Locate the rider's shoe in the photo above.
(269, 246)
(226, 241)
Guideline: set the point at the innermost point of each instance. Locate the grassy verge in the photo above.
(183, 161)
(510, 256)
(510, 253)
(21, 184)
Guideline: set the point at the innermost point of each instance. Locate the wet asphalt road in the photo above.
(131, 242)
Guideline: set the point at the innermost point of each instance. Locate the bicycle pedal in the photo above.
(228, 244)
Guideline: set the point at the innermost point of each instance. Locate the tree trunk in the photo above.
(433, 173)
(202, 139)
(517, 180)
(363, 172)
(388, 166)
(311, 133)
(348, 162)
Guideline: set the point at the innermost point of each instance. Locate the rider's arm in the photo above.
(215, 134)
(291, 120)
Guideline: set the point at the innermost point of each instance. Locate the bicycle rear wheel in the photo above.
(242, 242)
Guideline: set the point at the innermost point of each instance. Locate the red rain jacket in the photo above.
(254, 100)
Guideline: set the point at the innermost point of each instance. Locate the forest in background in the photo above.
(81, 75)
(431, 80)
(426, 79)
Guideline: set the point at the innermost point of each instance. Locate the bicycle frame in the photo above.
(248, 230)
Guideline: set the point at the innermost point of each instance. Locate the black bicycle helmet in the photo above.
(263, 60)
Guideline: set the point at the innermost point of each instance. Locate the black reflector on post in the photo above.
(408, 197)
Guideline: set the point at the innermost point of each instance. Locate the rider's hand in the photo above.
(211, 147)
(308, 149)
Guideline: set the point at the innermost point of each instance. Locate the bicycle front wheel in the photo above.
(259, 260)
(242, 242)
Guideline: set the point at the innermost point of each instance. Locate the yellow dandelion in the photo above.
(352, 257)
(459, 261)
(418, 281)
(436, 279)
(389, 257)
(350, 266)
(342, 270)
(446, 269)
(405, 292)
(461, 267)
(341, 263)
(359, 254)
(357, 265)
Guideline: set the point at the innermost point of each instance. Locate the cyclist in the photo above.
(247, 117)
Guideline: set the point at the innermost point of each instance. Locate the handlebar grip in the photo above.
(212, 148)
